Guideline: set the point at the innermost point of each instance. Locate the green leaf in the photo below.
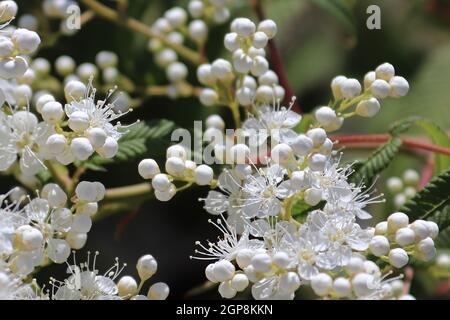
(435, 133)
(434, 197)
(442, 218)
(300, 210)
(378, 161)
(341, 10)
(443, 239)
(142, 137)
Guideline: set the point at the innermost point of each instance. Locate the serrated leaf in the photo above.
(434, 197)
(378, 161)
(442, 218)
(443, 239)
(435, 133)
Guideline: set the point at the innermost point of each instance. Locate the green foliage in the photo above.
(341, 10)
(435, 133)
(434, 197)
(378, 161)
(300, 209)
(142, 137)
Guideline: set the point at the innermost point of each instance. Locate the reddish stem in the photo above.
(409, 275)
(382, 138)
(427, 173)
(277, 61)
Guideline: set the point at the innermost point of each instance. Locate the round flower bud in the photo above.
(110, 75)
(433, 229)
(411, 177)
(282, 153)
(209, 272)
(409, 192)
(302, 145)
(204, 75)
(26, 41)
(289, 282)
(6, 47)
(231, 41)
(326, 147)
(281, 259)
(82, 223)
(399, 87)
(243, 27)
(260, 40)
(336, 86)
(195, 8)
(176, 71)
(166, 195)
(226, 290)
(208, 97)
(215, 121)
(175, 166)
(161, 182)
(148, 168)
(106, 59)
(299, 180)
(342, 287)
(245, 96)
(109, 149)
(42, 100)
(198, 31)
(379, 246)
(87, 70)
(81, 148)
(166, 57)
(176, 151)
(56, 144)
(317, 162)
(350, 88)
(13, 68)
(321, 284)
(396, 221)
(405, 236)
(325, 116)
(265, 94)
(426, 249)
(239, 282)
(127, 286)
(399, 200)
(385, 71)
(317, 135)
(89, 208)
(74, 90)
(146, 267)
(222, 69)
(76, 240)
(369, 78)
(362, 284)
(96, 136)
(241, 61)
(203, 175)
(313, 196)
(259, 66)
(176, 16)
(223, 270)
(90, 191)
(398, 257)
(269, 27)
(269, 78)
(368, 108)
(443, 261)
(28, 238)
(64, 65)
(355, 265)
(394, 184)
(55, 196)
(261, 262)
(8, 9)
(380, 89)
(52, 112)
(158, 291)
(420, 228)
(239, 153)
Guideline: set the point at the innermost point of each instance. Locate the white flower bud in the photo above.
(405, 236)
(250, 83)
(399, 200)
(380, 89)
(55, 196)
(58, 250)
(215, 121)
(146, 267)
(74, 90)
(176, 16)
(369, 78)
(317, 135)
(8, 10)
(394, 184)
(411, 177)
(208, 97)
(259, 66)
(381, 228)
(269, 78)
(195, 8)
(409, 192)
(350, 88)
(261, 262)
(269, 27)
(13, 67)
(26, 41)
(385, 71)
(226, 290)
(245, 96)
(109, 149)
(161, 182)
(281, 259)
(166, 195)
(368, 108)
(336, 86)
(289, 282)
(176, 151)
(56, 144)
(355, 265)
(396, 221)
(127, 286)
(222, 69)
(42, 100)
(379, 246)
(110, 75)
(244, 257)
(321, 284)
(433, 229)
(64, 65)
(204, 75)
(325, 116)
(97, 137)
(203, 175)
(342, 287)
(176, 71)
(52, 112)
(82, 223)
(399, 87)
(239, 282)
(265, 94)
(426, 249)
(175, 166)
(76, 240)
(241, 61)
(326, 147)
(260, 40)
(243, 27)
(313, 196)
(81, 148)
(443, 261)
(239, 153)
(302, 145)
(106, 59)
(166, 57)
(198, 31)
(420, 228)
(398, 257)
(299, 180)
(231, 41)
(223, 270)
(158, 291)
(6, 47)
(282, 153)
(87, 70)
(90, 191)
(28, 238)
(148, 168)
(317, 162)
(362, 284)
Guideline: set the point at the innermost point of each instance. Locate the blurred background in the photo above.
(318, 39)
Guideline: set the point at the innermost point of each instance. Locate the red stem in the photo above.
(277, 61)
(427, 173)
(382, 138)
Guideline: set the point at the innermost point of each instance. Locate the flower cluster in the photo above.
(86, 283)
(403, 188)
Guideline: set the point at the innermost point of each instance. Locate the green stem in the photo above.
(123, 193)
